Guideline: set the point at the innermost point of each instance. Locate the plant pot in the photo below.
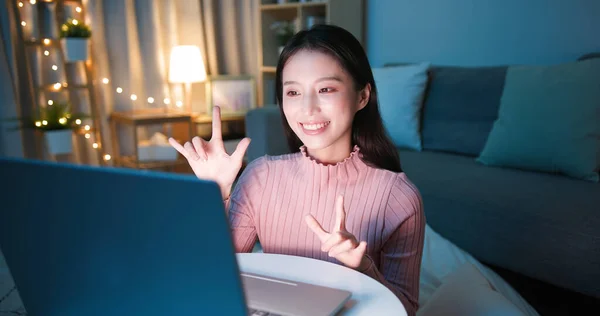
(75, 48)
(59, 141)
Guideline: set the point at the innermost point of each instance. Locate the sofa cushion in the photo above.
(549, 120)
(400, 92)
(541, 225)
(460, 108)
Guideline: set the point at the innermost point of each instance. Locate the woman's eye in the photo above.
(325, 90)
(292, 93)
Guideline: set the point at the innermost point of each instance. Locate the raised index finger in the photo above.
(314, 225)
(216, 123)
(340, 214)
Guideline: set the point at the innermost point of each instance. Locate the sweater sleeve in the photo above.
(242, 203)
(401, 253)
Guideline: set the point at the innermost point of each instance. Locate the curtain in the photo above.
(131, 44)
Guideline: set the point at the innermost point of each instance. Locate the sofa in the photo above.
(540, 229)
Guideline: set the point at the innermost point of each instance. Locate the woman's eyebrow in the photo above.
(335, 78)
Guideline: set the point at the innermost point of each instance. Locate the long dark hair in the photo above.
(367, 127)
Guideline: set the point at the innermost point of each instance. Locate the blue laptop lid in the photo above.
(83, 240)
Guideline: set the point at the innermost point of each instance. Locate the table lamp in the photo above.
(186, 66)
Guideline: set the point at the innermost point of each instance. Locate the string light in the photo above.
(133, 97)
(44, 122)
(46, 53)
(78, 121)
(107, 157)
(32, 1)
(87, 127)
(20, 4)
(87, 135)
(95, 145)
(46, 41)
(57, 86)
(54, 67)
(75, 22)
(105, 81)
(78, 9)
(167, 101)
(62, 120)
(179, 103)
(150, 100)
(38, 123)
(23, 23)
(50, 102)
(119, 90)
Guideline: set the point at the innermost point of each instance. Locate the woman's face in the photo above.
(319, 100)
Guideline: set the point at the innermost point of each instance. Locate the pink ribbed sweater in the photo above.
(383, 208)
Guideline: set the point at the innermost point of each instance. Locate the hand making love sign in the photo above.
(340, 243)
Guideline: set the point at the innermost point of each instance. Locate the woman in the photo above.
(341, 195)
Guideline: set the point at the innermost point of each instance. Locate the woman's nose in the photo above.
(310, 104)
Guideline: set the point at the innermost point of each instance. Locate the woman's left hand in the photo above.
(340, 243)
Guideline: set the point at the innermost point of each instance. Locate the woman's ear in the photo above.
(364, 96)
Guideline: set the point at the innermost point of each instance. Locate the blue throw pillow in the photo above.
(401, 91)
(549, 120)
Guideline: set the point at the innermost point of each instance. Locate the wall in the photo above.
(481, 32)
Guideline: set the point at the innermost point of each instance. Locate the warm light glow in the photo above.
(54, 67)
(44, 122)
(75, 22)
(107, 157)
(38, 123)
(87, 127)
(78, 9)
(87, 135)
(167, 101)
(46, 53)
(65, 84)
(105, 81)
(179, 103)
(32, 1)
(150, 100)
(46, 41)
(50, 102)
(23, 23)
(133, 97)
(62, 120)
(95, 145)
(119, 90)
(20, 4)
(78, 121)
(186, 65)
(57, 86)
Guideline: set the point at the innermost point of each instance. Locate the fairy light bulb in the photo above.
(46, 53)
(20, 4)
(95, 145)
(23, 23)
(78, 9)
(44, 122)
(46, 41)
(75, 22)
(179, 103)
(54, 67)
(32, 1)
(38, 123)
(167, 101)
(105, 81)
(87, 135)
(150, 100)
(57, 86)
(62, 120)
(87, 127)
(78, 121)
(133, 97)
(107, 157)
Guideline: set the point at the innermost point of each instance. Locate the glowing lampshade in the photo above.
(186, 65)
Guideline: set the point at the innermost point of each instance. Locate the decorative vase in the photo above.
(75, 48)
(59, 141)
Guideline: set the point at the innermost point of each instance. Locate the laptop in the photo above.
(85, 240)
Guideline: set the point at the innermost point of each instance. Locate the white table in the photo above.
(369, 297)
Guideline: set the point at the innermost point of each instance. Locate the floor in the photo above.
(549, 300)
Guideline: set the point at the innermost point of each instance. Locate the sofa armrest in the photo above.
(264, 126)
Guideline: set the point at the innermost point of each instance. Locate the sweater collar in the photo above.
(349, 166)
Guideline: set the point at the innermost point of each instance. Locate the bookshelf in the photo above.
(348, 14)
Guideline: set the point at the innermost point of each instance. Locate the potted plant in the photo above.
(284, 30)
(57, 123)
(75, 37)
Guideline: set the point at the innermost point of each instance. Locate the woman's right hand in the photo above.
(209, 160)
